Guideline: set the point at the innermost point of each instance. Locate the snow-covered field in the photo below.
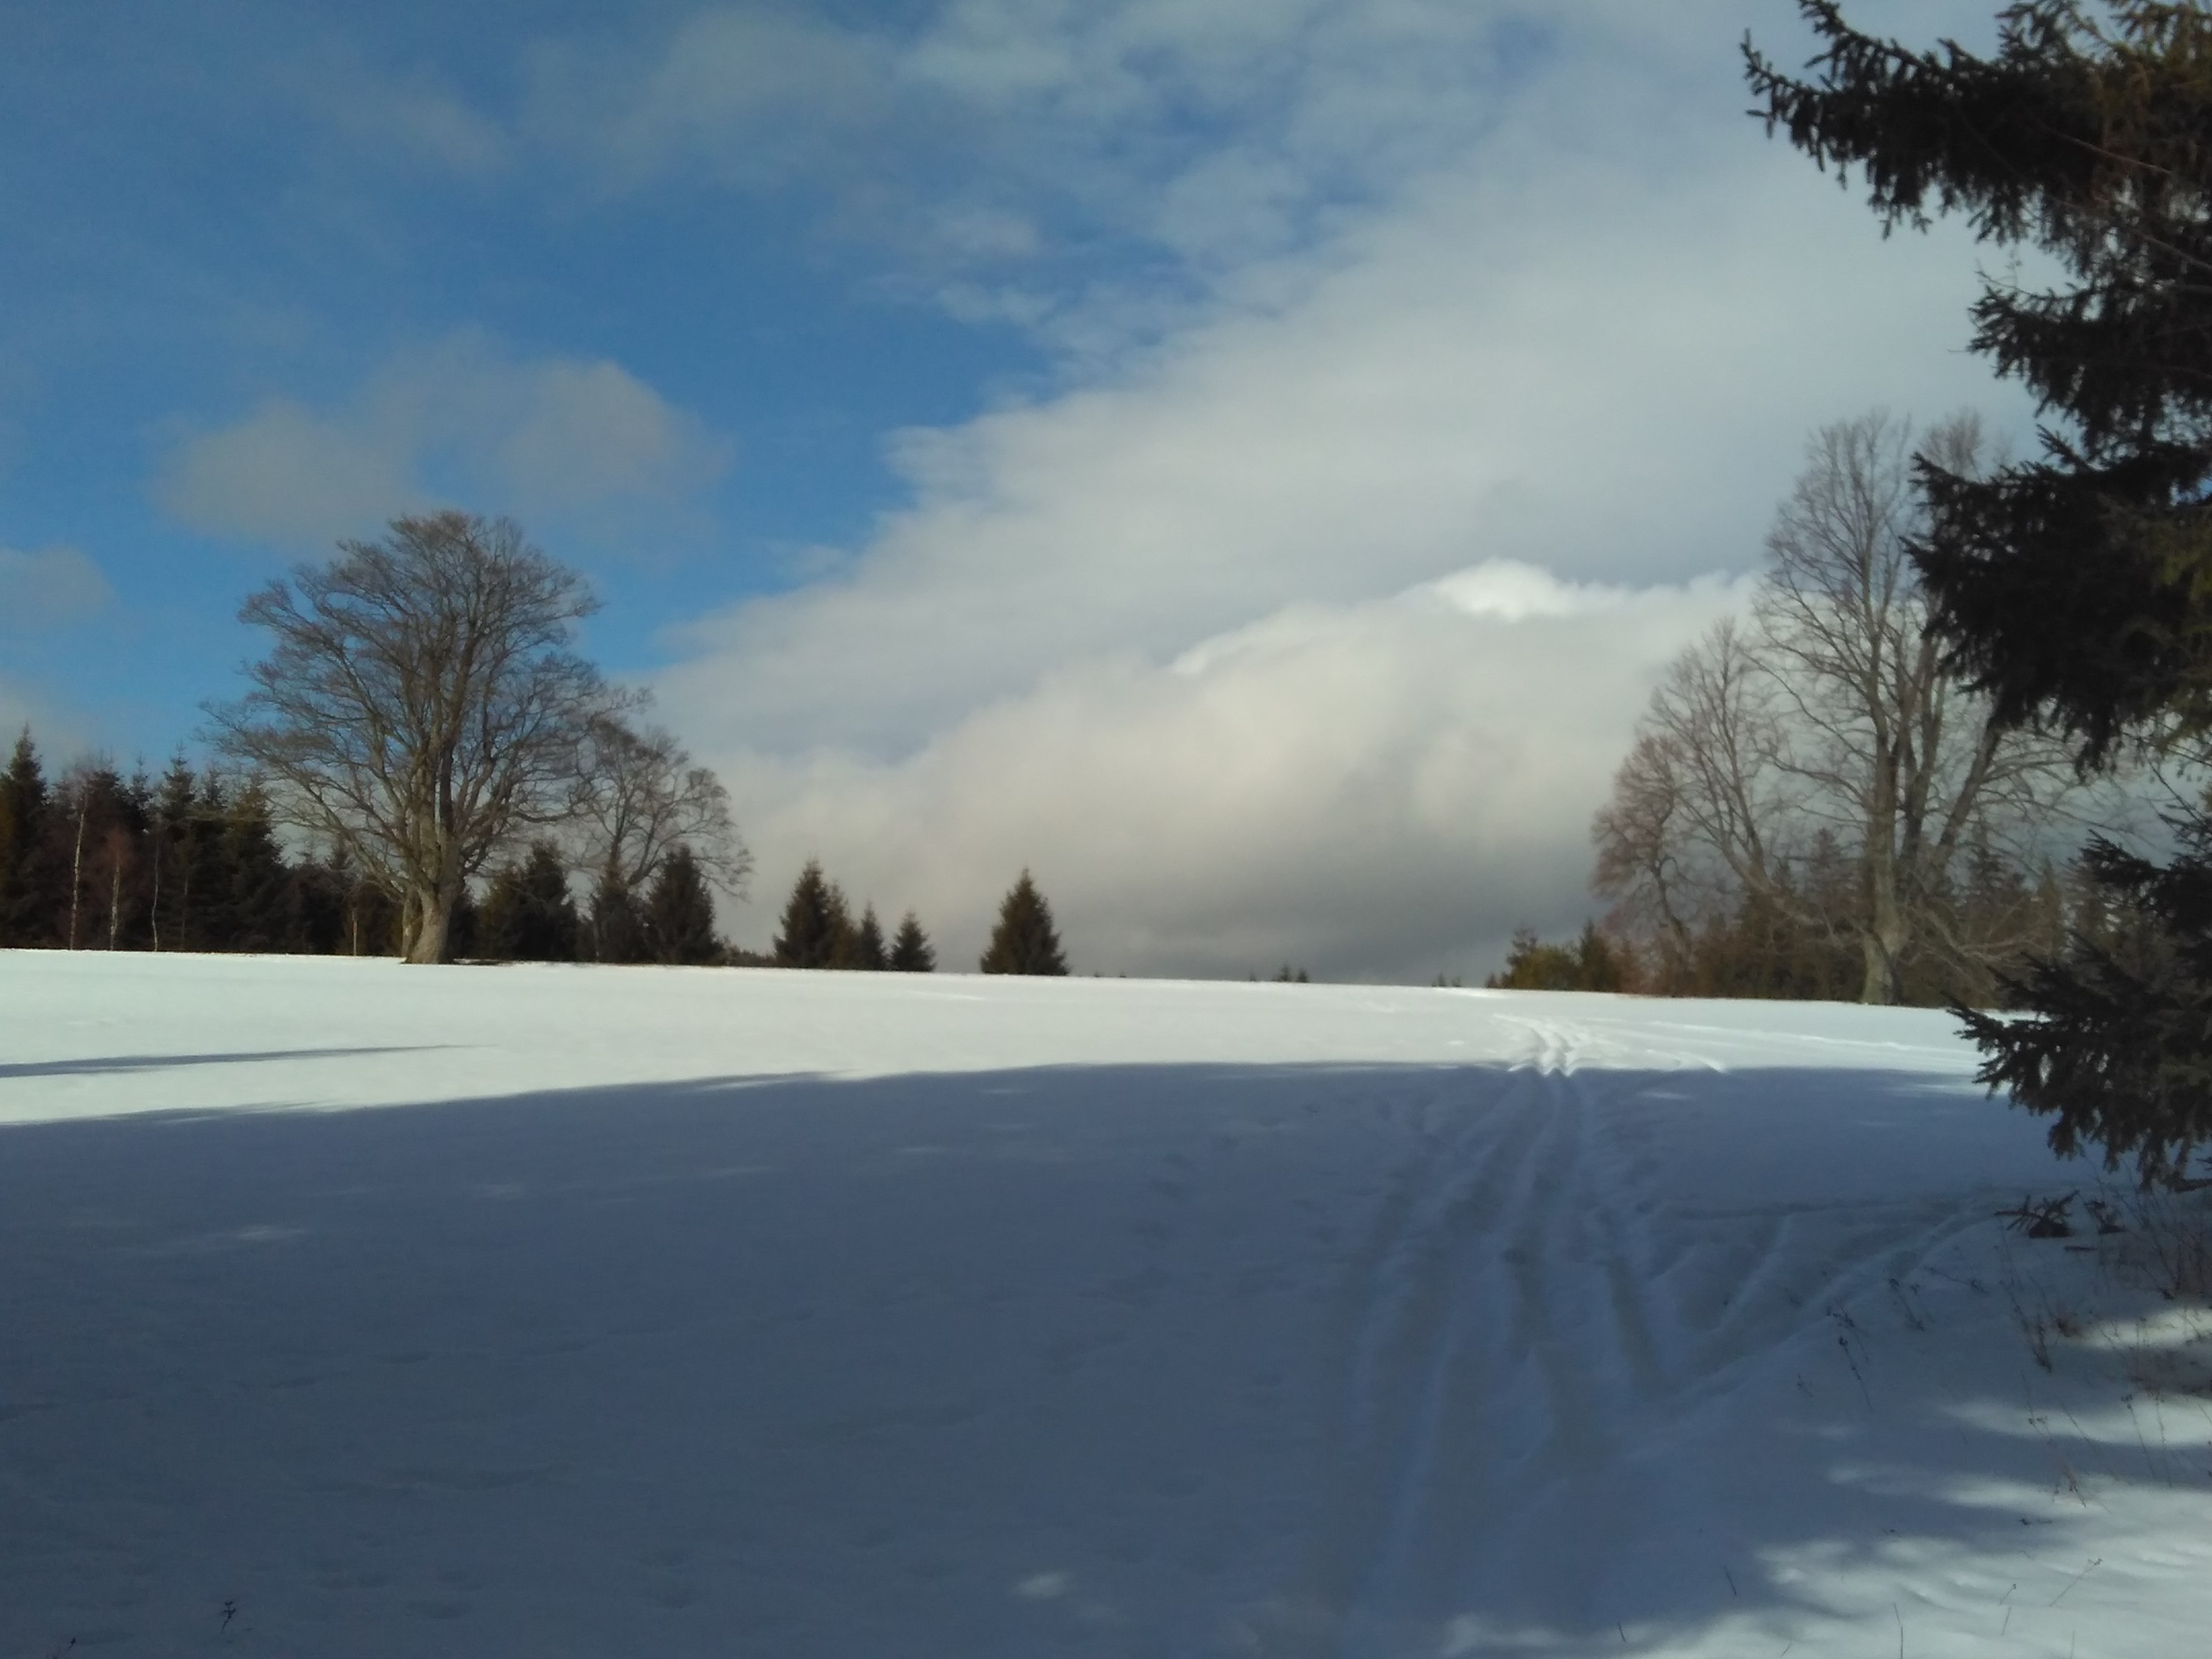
(353, 1309)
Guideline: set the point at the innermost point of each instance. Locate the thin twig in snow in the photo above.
(2094, 1562)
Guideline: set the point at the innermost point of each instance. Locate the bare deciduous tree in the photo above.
(1830, 722)
(640, 797)
(420, 706)
(1703, 806)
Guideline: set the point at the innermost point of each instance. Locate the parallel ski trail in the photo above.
(1526, 1302)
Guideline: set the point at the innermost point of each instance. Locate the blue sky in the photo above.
(1160, 442)
(215, 219)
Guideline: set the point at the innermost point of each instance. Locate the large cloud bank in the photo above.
(1380, 788)
(1420, 375)
(1308, 618)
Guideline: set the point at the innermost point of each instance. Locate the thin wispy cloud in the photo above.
(50, 587)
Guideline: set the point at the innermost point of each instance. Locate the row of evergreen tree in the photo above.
(189, 861)
(192, 860)
(818, 930)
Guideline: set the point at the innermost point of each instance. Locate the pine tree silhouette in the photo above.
(2075, 590)
(1024, 941)
(617, 927)
(463, 928)
(206, 873)
(911, 952)
(257, 883)
(176, 810)
(25, 802)
(815, 925)
(867, 950)
(529, 915)
(679, 913)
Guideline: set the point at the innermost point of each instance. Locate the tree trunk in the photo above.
(1884, 985)
(428, 913)
(1883, 934)
(1882, 937)
(76, 874)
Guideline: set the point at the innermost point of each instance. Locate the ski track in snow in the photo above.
(837, 1314)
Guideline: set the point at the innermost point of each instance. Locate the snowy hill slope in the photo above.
(352, 1310)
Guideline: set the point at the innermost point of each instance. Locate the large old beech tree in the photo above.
(421, 707)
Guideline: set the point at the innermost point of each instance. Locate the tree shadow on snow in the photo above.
(1294, 1359)
(101, 1065)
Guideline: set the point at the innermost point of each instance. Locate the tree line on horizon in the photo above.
(819, 931)
(463, 785)
(194, 860)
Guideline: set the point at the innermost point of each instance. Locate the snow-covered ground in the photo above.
(353, 1309)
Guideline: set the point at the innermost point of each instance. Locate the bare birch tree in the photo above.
(1831, 721)
(420, 706)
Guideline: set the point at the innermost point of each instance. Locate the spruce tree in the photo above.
(257, 883)
(911, 950)
(499, 918)
(1024, 941)
(528, 914)
(1532, 965)
(170, 857)
(2075, 589)
(1598, 965)
(867, 950)
(679, 913)
(129, 855)
(2079, 586)
(464, 927)
(376, 921)
(2118, 1052)
(320, 898)
(204, 876)
(814, 928)
(618, 923)
(27, 886)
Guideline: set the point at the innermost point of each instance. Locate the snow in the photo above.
(349, 1308)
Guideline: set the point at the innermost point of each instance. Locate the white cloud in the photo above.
(49, 588)
(751, 96)
(1383, 788)
(1139, 633)
(416, 116)
(1562, 376)
(286, 475)
(985, 138)
(1206, 131)
(462, 419)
